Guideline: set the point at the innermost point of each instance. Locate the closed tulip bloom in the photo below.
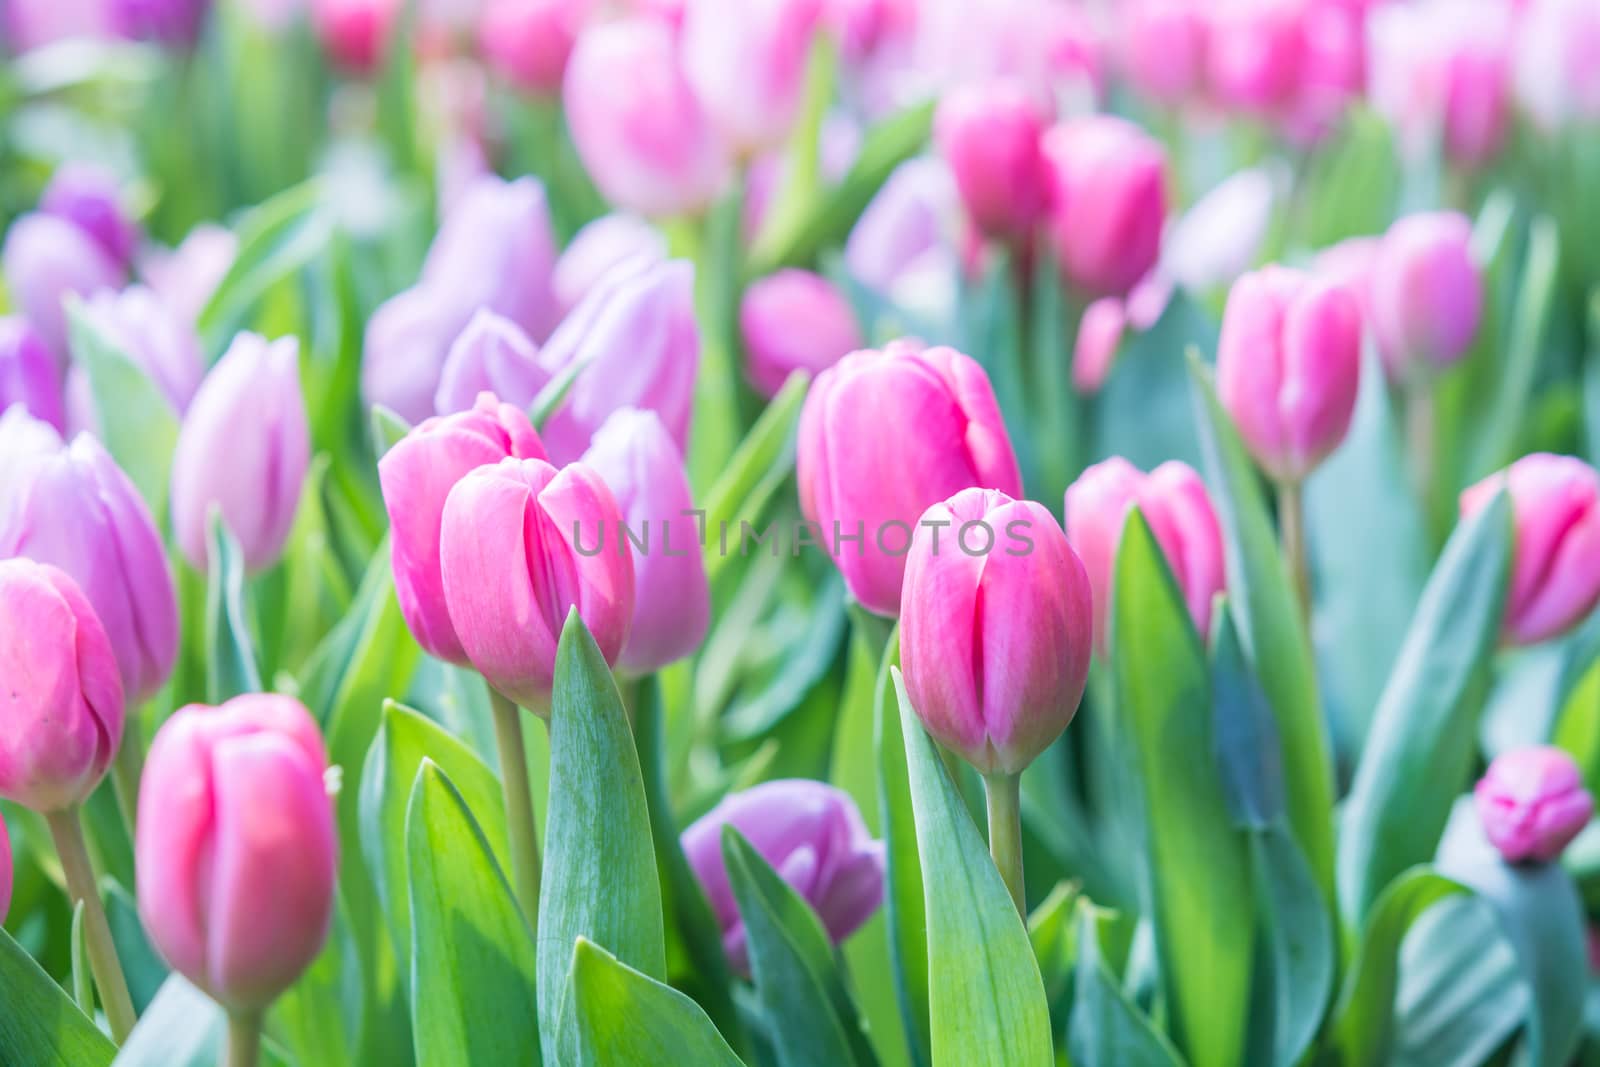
(175, 23)
(671, 600)
(989, 135)
(5, 871)
(1555, 574)
(407, 343)
(1427, 293)
(527, 42)
(1108, 201)
(1351, 264)
(244, 448)
(599, 248)
(61, 709)
(74, 508)
(746, 61)
(1174, 501)
(1288, 363)
(811, 834)
(1257, 53)
(89, 198)
(355, 33)
(417, 475)
(1095, 348)
(795, 320)
(996, 628)
(1532, 803)
(1557, 62)
(885, 435)
(153, 337)
(48, 259)
(28, 374)
(521, 545)
(1164, 48)
(236, 854)
(642, 134)
(492, 355)
(639, 346)
(22, 438)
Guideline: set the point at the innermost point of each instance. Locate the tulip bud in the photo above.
(1164, 48)
(795, 321)
(884, 435)
(527, 42)
(407, 342)
(989, 135)
(1351, 264)
(1288, 363)
(1426, 292)
(1095, 348)
(746, 62)
(672, 602)
(74, 508)
(1555, 506)
(1532, 803)
(355, 33)
(61, 706)
(1554, 68)
(5, 871)
(417, 475)
(22, 438)
(492, 355)
(811, 834)
(642, 134)
(599, 248)
(48, 259)
(996, 628)
(639, 346)
(87, 197)
(175, 23)
(28, 376)
(521, 544)
(1173, 500)
(244, 447)
(1257, 52)
(236, 853)
(495, 249)
(186, 277)
(1108, 201)
(155, 339)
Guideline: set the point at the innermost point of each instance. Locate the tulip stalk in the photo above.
(67, 831)
(244, 1039)
(1004, 795)
(1292, 528)
(520, 826)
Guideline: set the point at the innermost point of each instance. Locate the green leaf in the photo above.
(144, 969)
(987, 1003)
(1299, 941)
(1420, 749)
(40, 1026)
(746, 483)
(183, 1028)
(624, 1017)
(1105, 1027)
(1198, 862)
(1246, 736)
(1460, 998)
(230, 651)
(472, 954)
(803, 996)
(387, 428)
(1270, 629)
(600, 869)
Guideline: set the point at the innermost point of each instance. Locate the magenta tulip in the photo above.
(599, 248)
(1164, 48)
(1532, 803)
(795, 321)
(48, 259)
(1108, 201)
(1555, 576)
(61, 711)
(356, 33)
(1257, 51)
(88, 197)
(746, 61)
(989, 135)
(492, 355)
(28, 374)
(236, 852)
(527, 42)
(1427, 292)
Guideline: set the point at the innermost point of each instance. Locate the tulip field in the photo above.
(799, 533)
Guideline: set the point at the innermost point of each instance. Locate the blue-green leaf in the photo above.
(1105, 1027)
(231, 665)
(624, 1017)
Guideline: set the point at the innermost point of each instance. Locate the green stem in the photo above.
(1291, 525)
(126, 770)
(520, 825)
(1420, 431)
(1004, 793)
(82, 888)
(244, 1039)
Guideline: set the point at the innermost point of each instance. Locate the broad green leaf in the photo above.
(1143, 411)
(143, 968)
(40, 1026)
(1053, 934)
(1105, 1027)
(742, 489)
(1270, 629)
(472, 954)
(803, 996)
(624, 1017)
(1352, 183)
(182, 1027)
(1246, 735)
(1198, 860)
(1420, 748)
(600, 868)
(276, 239)
(1460, 998)
(802, 178)
(231, 666)
(986, 998)
(1299, 941)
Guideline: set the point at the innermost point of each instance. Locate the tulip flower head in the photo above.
(47, 259)
(1108, 201)
(28, 374)
(1532, 803)
(1164, 48)
(795, 320)
(989, 135)
(527, 42)
(1426, 293)
(154, 337)
(88, 197)
(61, 710)
(492, 355)
(746, 61)
(599, 248)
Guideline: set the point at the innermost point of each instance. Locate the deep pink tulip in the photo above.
(1257, 53)
(236, 852)
(1108, 201)
(795, 321)
(1532, 803)
(28, 374)
(88, 197)
(672, 602)
(61, 710)
(492, 355)
(1174, 501)
(996, 628)
(599, 248)
(1288, 364)
(989, 135)
(47, 259)
(528, 41)
(417, 475)
(5, 871)
(155, 338)
(884, 436)
(1164, 48)
(746, 61)
(355, 33)
(1555, 576)
(1095, 348)
(812, 835)
(521, 544)
(244, 449)
(1427, 292)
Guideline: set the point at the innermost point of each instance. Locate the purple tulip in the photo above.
(22, 439)
(1532, 803)
(28, 376)
(407, 343)
(598, 249)
(175, 23)
(48, 258)
(492, 355)
(495, 250)
(88, 197)
(812, 835)
(186, 277)
(746, 60)
(909, 224)
(156, 339)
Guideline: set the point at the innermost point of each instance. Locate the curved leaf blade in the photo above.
(624, 1017)
(40, 1024)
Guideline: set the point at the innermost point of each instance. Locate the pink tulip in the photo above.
(61, 711)
(1173, 500)
(795, 321)
(1555, 579)
(5, 871)
(1095, 348)
(884, 435)
(1164, 48)
(1288, 363)
(746, 61)
(601, 247)
(492, 355)
(643, 135)
(1532, 803)
(996, 628)
(28, 374)
(672, 602)
(407, 344)
(1557, 62)
(1351, 264)
(812, 835)
(30, 24)
(1427, 292)
(1108, 201)
(528, 41)
(88, 197)
(236, 852)
(520, 545)
(355, 33)
(1257, 53)
(417, 475)
(47, 259)
(989, 135)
